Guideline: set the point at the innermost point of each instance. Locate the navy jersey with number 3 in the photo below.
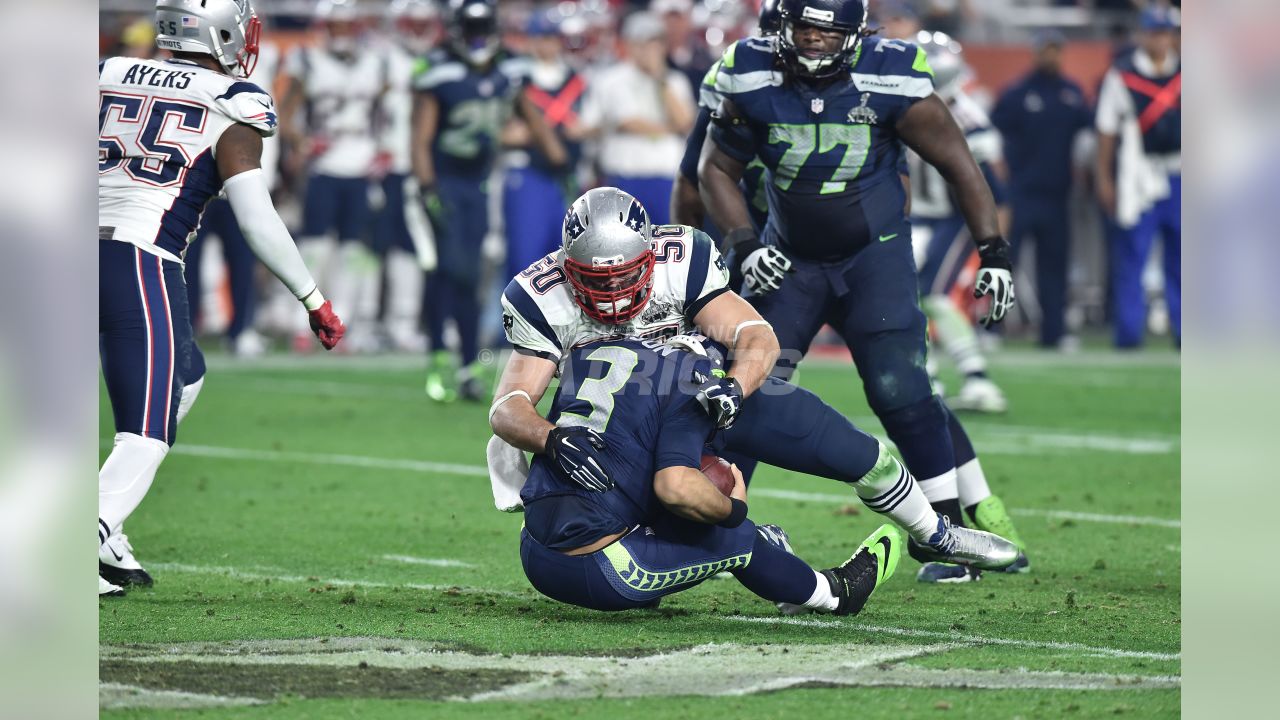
(831, 148)
(639, 396)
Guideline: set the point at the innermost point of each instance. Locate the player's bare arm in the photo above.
(514, 416)
(718, 176)
(426, 120)
(688, 493)
(929, 129)
(732, 322)
(686, 203)
(290, 110)
(543, 136)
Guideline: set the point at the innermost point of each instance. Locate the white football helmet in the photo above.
(228, 30)
(946, 57)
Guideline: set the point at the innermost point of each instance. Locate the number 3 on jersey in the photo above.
(135, 136)
(598, 393)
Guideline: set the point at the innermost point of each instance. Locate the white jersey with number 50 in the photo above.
(158, 124)
(541, 317)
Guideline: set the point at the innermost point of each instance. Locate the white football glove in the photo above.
(763, 270)
(995, 278)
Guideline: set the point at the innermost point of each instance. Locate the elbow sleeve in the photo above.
(265, 231)
(733, 136)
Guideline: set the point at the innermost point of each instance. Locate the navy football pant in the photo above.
(1129, 251)
(390, 230)
(786, 426)
(1048, 221)
(336, 204)
(453, 287)
(871, 300)
(533, 208)
(672, 556)
(218, 220)
(144, 339)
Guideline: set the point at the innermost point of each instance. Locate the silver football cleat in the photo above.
(966, 546)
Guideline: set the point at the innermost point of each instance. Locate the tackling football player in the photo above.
(172, 134)
(615, 275)
(465, 91)
(662, 527)
(827, 112)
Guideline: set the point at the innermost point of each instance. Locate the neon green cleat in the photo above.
(991, 516)
(440, 377)
(874, 562)
(475, 381)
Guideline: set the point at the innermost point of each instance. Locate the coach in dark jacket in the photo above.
(1039, 117)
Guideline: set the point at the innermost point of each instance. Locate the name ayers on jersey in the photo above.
(541, 317)
(158, 122)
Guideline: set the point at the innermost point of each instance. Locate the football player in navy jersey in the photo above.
(660, 527)
(465, 92)
(827, 109)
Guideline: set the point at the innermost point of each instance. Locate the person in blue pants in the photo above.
(219, 221)
(1139, 171)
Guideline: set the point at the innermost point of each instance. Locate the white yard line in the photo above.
(239, 574)
(1057, 514)
(424, 466)
(113, 696)
(957, 637)
(433, 562)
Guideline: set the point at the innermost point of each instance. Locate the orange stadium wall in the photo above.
(997, 66)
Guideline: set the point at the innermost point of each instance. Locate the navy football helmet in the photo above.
(848, 17)
(473, 30)
(770, 18)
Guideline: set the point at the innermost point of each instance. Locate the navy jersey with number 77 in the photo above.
(831, 147)
(639, 395)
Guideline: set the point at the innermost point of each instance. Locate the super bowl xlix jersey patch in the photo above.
(540, 315)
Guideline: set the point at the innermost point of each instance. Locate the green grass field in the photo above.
(324, 544)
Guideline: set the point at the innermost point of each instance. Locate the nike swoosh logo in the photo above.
(887, 238)
(113, 553)
(884, 564)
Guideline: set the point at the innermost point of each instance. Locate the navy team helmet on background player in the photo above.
(473, 30)
(845, 16)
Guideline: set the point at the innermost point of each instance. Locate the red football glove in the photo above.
(326, 324)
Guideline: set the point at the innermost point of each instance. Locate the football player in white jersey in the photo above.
(172, 135)
(404, 249)
(941, 243)
(615, 275)
(326, 118)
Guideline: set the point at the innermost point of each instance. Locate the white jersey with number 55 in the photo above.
(542, 318)
(158, 124)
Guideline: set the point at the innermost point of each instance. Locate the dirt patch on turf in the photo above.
(266, 682)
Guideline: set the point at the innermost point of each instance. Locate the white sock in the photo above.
(822, 598)
(404, 295)
(125, 478)
(972, 483)
(190, 392)
(891, 491)
(955, 334)
(940, 488)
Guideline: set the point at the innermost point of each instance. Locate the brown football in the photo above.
(718, 472)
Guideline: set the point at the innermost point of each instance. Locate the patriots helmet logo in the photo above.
(637, 218)
(573, 227)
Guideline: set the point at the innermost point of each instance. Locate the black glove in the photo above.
(721, 397)
(995, 278)
(573, 452)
